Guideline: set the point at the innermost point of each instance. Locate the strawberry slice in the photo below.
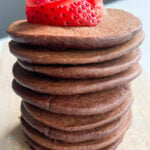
(64, 12)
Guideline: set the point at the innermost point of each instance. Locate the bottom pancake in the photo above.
(76, 136)
(88, 145)
(35, 146)
(76, 123)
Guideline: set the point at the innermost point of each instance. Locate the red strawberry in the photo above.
(64, 12)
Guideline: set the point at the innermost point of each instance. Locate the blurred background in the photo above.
(11, 10)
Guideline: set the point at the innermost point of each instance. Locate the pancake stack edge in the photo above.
(75, 89)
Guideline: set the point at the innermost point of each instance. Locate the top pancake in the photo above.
(38, 55)
(115, 28)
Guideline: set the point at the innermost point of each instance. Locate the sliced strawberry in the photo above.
(65, 13)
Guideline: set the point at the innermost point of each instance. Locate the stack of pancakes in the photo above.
(74, 81)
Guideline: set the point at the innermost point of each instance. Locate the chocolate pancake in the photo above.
(86, 71)
(71, 137)
(85, 104)
(36, 146)
(87, 145)
(76, 123)
(115, 28)
(40, 55)
(50, 85)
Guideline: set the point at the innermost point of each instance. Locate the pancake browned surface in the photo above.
(115, 28)
(76, 123)
(71, 137)
(49, 85)
(36, 146)
(86, 71)
(47, 56)
(84, 104)
(91, 144)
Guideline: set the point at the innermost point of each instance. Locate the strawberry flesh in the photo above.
(64, 12)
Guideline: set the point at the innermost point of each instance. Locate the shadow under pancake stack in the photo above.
(75, 81)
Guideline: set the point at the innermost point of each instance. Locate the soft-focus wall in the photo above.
(10, 10)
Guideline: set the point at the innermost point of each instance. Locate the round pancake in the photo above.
(76, 123)
(85, 104)
(39, 55)
(86, 71)
(115, 28)
(36, 146)
(87, 145)
(72, 137)
(44, 84)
